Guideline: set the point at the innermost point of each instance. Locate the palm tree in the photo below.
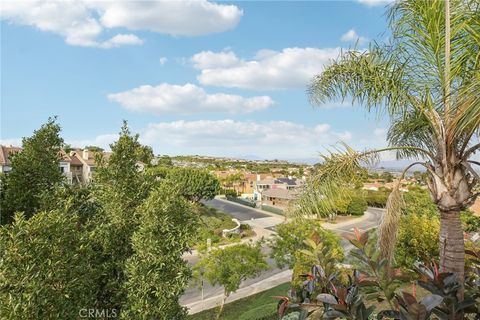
(427, 80)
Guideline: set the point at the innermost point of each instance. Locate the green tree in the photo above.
(48, 267)
(229, 266)
(291, 236)
(35, 172)
(417, 240)
(426, 79)
(119, 188)
(194, 184)
(145, 154)
(157, 275)
(357, 205)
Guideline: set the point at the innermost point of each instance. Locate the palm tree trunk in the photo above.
(452, 245)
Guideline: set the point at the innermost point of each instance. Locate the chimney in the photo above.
(85, 154)
(258, 177)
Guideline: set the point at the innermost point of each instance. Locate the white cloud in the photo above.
(270, 139)
(179, 18)
(82, 22)
(352, 36)
(122, 39)
(373, 3)
(289, 68)
(163, 60)
(209, 59)
(186, 99)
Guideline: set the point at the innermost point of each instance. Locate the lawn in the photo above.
(234, 310)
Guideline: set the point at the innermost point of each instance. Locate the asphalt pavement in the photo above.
(238, 211)
(244, 213)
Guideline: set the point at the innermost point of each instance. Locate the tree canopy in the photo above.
(35, 172)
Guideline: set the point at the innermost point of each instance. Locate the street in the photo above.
(246, 214)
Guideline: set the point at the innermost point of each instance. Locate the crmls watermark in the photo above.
(98, 313)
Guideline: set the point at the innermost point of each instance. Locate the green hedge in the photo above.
(242, 201)
(272, 209)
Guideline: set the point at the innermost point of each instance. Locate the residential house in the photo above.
(279, 197)
(78, 166)
(289, 184)
(5, 153)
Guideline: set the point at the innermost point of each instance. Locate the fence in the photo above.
(242, 201)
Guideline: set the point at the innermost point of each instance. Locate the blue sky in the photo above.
(191, 77)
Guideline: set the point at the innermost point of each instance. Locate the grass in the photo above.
(234, 310)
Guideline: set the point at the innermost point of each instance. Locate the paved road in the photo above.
(240, 212)
(372, 221)
(244, 213)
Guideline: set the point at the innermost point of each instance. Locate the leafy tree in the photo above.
(427, 81)
(229, 266)
(35, 172)
(417, 239)
(156, 273)
(194, 184)
(357, 205)
(119, 189)
(47, 267)
(145, 154)
(378, 198)
(291, 236)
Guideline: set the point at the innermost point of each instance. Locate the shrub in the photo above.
(471, 223)
(47, 268)
(357, 205)
(417, 239)
(378, 198)
(265, 312)
(290, 240)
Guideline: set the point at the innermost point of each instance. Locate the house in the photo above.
(279, 197)
(289, 183)
(5, 153)
(78, 166)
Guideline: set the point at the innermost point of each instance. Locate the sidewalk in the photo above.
(212, 302)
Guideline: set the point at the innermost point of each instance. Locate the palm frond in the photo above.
(387, 231)
(371, 78)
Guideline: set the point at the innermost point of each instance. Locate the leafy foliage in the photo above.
(357, 205)
(48, 267)
(194, 184)
(417, 239)
(35, 172)
(229, 266)
(291, 237)
(166, 223)
(119, 189)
